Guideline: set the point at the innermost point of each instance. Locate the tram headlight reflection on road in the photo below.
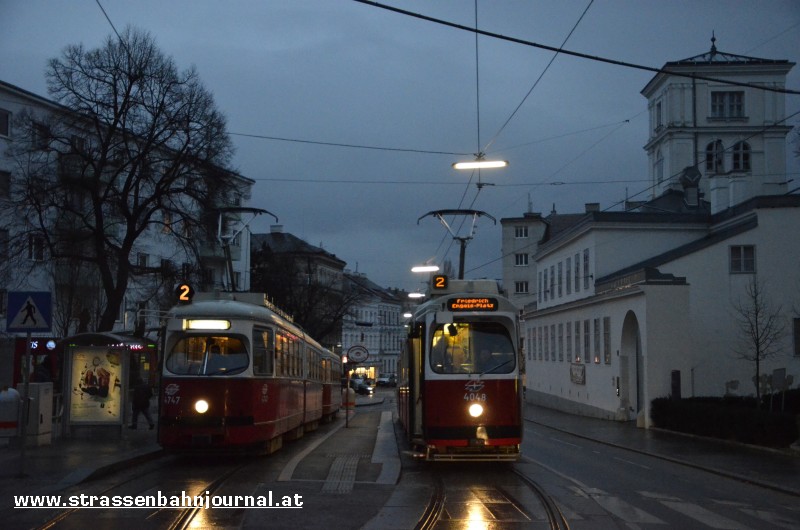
(475, 410)
(201, 406)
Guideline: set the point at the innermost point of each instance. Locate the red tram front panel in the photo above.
(448, 422)
(240, 411)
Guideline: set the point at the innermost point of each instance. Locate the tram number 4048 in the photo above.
(474, 396)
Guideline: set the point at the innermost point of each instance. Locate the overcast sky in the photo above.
(338, 71)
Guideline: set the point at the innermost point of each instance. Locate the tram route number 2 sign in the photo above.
(357, 354)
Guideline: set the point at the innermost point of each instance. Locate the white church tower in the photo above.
(727, 121)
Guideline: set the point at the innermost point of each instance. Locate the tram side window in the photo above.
(287, 354)
(263, 351)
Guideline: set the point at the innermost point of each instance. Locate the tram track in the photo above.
(554, 514)
(182, 521)
(187, 515)
(486, 501)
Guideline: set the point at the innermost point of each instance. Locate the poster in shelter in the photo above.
(96, 385)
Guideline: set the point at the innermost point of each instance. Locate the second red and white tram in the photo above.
(459, 387)
(238, 374)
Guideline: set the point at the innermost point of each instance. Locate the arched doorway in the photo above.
(631, 362)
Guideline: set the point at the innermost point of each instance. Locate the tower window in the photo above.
(741, 156)
(714, 157)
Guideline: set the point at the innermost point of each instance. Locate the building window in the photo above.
(607, 340)
(568, 275)
(561, 342)
(544, 285)
(727, 104)
(741, 156)
(539, 347)
(658, 167)
(533, 344)
(141, 259)
(520, 232)
(5, 185)
(552, 342)
(797, 337)
(552, 281)
(577, 341)
(743, 259)
(5, 123)
(568, 340)
(587, 344)
(41, 136)
(658, 118)
(539, 294)
(167, 223)
(714, 157)
(597, 341)
(546, 343)
(521, 260)
(35, 248)
(560, 292)
(577, 273)
(521, 287)
(586, 269)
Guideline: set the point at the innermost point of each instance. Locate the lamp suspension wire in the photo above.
(477, 83)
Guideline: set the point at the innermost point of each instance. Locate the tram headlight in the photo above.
(201, 406)
(475, 410)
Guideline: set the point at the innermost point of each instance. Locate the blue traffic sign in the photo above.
(29, 311)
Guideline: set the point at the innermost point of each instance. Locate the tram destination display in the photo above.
(472, 304)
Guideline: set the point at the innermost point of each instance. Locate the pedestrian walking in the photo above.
(141, 403)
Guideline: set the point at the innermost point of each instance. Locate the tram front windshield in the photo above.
(207, 355)
(472, 348)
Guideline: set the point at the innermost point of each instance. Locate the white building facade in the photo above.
(635, 305)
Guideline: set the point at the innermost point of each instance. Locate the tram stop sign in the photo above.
(29, 311)
(357, 354)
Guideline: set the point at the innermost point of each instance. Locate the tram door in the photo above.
(416, 370)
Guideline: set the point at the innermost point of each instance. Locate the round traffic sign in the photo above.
(357, 354)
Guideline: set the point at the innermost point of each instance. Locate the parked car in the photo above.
(387, 380)
(360, 387)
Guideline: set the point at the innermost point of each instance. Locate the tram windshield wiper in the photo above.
(490, 370)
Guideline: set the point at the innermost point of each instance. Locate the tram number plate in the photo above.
(474, 396)
(172, 400)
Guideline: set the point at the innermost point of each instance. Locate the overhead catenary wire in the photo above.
(580, 55)
(535, 83)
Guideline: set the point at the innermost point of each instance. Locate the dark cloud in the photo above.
(344, 72)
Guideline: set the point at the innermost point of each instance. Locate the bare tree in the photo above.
(761, 328)
(318, 303)
(135, 149)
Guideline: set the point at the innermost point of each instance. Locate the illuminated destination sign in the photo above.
(472, 304)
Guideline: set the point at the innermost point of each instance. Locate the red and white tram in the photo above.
(238, 374)
(459, 387)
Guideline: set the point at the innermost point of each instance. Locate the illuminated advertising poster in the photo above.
(96, 385)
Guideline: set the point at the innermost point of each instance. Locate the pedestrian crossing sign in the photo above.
(29, 311)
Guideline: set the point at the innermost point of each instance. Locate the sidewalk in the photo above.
(91, 453)
(778, 470)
